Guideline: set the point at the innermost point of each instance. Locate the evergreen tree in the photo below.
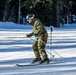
(45, 10)
(2, 7)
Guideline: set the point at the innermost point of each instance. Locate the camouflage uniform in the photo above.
(41, 34)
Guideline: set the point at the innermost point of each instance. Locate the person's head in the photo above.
(30, 17)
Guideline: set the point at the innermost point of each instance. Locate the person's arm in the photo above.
(38, 27)
(29, 35)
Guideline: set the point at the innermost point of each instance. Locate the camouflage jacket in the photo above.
(38, 28)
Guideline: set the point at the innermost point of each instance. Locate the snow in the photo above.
(15, 48)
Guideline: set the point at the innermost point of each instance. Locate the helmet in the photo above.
(30, 16)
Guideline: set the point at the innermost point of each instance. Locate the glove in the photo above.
(35, 35)
(28, 35)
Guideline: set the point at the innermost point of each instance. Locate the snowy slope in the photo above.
(15, 47)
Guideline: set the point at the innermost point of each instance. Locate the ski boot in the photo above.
(45, 60)
(36, 60)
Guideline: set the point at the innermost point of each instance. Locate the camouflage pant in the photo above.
(39, 47)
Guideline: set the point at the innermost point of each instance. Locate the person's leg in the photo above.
(41, 46)
(36, 52)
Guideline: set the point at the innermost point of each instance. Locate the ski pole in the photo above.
(51, 29)
(44, 43)
(48, 46)
(53, 50)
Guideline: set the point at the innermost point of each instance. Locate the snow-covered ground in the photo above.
(15, 48)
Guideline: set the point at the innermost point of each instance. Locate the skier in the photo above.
(41, 39)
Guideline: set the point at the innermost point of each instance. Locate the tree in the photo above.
(2, 6)
(41, 8)
(11, 11)
(50, 12)
(72, 4)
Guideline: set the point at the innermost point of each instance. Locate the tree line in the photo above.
(45, 10)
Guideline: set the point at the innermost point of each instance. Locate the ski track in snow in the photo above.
(15, 48)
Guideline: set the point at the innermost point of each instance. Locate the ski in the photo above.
(26, 64)
(31, 64)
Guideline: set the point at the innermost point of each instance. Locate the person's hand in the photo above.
(28, 35)
(35, 35)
